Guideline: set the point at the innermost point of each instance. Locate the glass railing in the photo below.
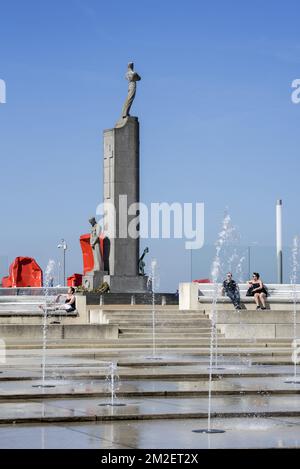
(242, 261)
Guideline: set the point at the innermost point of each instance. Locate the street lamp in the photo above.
(63, 245)
(279, 240)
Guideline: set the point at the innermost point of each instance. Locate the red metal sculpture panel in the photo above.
(74, 280)
(24, 272)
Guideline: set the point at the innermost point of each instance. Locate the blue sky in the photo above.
(217, 122)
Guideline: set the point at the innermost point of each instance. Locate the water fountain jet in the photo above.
(48, 278)
(112, 380)
(153, 278)
(295, 342)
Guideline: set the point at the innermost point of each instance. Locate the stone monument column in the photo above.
(122, 189)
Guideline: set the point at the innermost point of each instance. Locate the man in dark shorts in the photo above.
(231, 289)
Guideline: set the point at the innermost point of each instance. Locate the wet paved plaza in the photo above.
(158, 402)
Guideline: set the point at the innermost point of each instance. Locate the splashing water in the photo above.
(293, 281)
(225, 234)
(239, 269)
(48, 278)
(154, 282)
(235, 265)
(112, 382)
(154, 278)
(232, 260)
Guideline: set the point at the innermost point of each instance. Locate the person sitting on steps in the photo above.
(70, 303)
(231, 288)
(258, 290)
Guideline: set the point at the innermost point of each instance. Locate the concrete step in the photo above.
(108, 347)
(222, 342)
(201, 341)
(145, 308)
(249, 351)
(35, 314)
(257, 317)
(149, 311)
(134, 317)
(177, 319)
(275, 305)
(160, 322)
(20, 306)
(186, 330)
(35, 320)
(25, 312)
(165, 324)
(166, 336)
(23, 298)
(165, 330)
(59, 331)
(108, 335)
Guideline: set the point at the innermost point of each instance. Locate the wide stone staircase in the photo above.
(168, 324)
(132, 326)
(177, 329)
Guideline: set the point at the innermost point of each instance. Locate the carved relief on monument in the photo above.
(108, 145)
(108, 164)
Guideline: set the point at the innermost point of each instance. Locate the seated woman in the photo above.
(69, 305)
(258, 290)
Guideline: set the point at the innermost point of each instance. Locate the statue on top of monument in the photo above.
(95, 244)
(132, 78)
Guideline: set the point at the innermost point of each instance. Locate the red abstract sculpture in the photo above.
(87, 253)
(202, 280)
(74, 280)
(23, 272)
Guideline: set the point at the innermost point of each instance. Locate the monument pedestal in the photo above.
(127, 284)
(93, 280)
(121, 190)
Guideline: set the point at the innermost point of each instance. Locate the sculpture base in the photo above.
(126, 284)
(93, 280)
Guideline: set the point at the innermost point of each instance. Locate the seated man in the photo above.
(231, 288)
